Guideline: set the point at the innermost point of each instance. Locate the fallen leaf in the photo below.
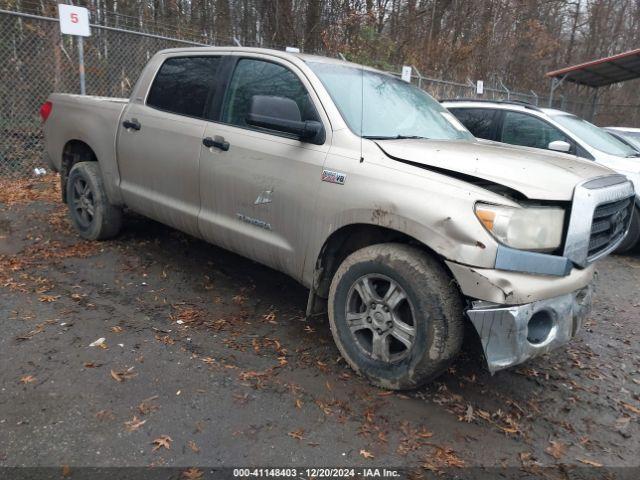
(192, 474)
(123, 375)
(92, 365)
(192, 445)
(589, 462)
(556, 449)
(117, 329)
(27, 379)
(525, 457)
(468, 416)
(297, 434)
(66, 471)
(241, 398)
(366, 454)
(105, 415)
(631, 408)
(49, 298)
(146, 406)
(134, 424)
(162, 441)
(298, 403)
(441, 458)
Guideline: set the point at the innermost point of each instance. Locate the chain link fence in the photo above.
(447, 90)
(35, 60)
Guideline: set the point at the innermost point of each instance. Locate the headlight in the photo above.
(526, 228)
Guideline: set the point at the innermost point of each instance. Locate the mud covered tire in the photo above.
(632, 240)
(91, 213)
(435, 302)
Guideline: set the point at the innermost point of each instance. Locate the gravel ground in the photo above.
(207, 360)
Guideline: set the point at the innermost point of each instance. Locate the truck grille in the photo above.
(610, 222)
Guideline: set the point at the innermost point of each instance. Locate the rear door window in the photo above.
(183, 85)
(479, 121)
(528, 131)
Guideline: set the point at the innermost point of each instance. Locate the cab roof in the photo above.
(305, 57)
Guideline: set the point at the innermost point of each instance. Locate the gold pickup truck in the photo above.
(358, 185)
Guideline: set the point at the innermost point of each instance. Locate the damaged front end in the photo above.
(533, 302)
(513, 334)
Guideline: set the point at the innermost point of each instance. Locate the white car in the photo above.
(630, 136)
(526, 125)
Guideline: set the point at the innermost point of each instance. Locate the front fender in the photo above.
(448, 234)
(434, 209)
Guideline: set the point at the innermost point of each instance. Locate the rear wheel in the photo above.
(395, 315)
(90, 211)
(633, 237)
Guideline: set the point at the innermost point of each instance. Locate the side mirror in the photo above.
(283, 115)
(559, 146)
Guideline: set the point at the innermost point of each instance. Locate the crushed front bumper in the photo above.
(513, 334)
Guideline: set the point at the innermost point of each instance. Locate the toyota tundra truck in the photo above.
(358, 185)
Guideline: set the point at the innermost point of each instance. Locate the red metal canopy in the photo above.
(599, 73)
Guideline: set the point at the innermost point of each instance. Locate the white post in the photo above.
(75, 21)
(83, 89)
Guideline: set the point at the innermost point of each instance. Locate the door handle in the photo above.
(218, 142)
(133, 124)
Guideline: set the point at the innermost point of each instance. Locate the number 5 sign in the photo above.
(74, 20)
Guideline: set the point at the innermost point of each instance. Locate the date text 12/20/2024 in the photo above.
(316, 472)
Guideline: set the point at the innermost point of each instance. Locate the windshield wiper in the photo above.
(396, 137)
(634, 155)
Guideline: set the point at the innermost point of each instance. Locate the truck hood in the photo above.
(534, 174)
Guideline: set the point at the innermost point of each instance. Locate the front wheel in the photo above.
(89, 208)
(395, 315)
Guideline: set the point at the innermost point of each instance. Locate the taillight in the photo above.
(45, 110)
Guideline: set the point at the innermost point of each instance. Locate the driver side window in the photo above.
(529, 131)
(253, 77)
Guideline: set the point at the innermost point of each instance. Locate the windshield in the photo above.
(594, 136)
(632, 137)
(392, 108)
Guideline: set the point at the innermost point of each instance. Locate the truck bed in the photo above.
(89, 119)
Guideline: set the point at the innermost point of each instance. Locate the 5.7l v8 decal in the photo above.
(333, 177)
